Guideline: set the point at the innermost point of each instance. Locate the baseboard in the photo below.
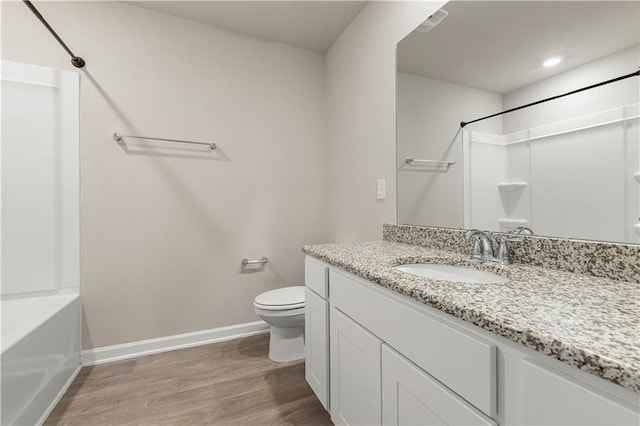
(169, 343)
(59, 396)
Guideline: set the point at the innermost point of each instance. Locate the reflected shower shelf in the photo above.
(512, 186)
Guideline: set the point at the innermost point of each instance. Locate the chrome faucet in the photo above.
(483, 247)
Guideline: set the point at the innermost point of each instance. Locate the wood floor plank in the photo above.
(227, 383)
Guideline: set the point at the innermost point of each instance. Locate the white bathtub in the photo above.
(40, 354)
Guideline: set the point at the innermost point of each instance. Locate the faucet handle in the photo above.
(503, 250)
(477, 249)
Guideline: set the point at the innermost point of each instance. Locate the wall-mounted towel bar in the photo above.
(262, 261)
(411, 161)
(118, 137)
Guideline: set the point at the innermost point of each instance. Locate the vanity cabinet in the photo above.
(465, 363)
(392, 360)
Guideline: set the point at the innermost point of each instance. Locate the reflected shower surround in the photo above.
(573, 178)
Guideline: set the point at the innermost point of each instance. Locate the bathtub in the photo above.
(40, 354)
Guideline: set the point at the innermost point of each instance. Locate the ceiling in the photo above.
(313, 25)
(499, 46)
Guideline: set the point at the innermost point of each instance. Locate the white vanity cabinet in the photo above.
(394, 361)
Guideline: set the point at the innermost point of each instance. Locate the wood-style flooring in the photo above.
(227, 383)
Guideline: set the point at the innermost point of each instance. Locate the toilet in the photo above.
(283, 309)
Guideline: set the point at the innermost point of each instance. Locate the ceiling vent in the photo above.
(432, 21)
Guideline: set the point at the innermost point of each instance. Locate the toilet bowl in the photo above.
(283, 309)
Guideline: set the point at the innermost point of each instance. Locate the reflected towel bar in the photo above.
(119, 137)
(246, 261)
(435, 162)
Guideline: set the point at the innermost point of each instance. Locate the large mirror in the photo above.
(569, 167)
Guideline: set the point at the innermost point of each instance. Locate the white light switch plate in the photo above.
(381, 190)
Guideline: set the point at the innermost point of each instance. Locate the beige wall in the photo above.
(361, 90)
(163, 230)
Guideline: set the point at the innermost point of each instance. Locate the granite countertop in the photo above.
(587, 322)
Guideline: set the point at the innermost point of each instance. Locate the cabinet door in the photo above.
(551, 398)
(355, 373)
(316, 345)
(412, 397)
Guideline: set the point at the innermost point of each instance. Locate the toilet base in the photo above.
(286, 343)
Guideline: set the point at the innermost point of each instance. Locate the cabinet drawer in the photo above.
(552, 398)
(316, 276)
(412, 397)
(464, 363)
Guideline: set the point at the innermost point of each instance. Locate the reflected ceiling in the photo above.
(533, 31)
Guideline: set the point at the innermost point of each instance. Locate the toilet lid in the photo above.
(281, 298)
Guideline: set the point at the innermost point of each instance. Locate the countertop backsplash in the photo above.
(599, 259)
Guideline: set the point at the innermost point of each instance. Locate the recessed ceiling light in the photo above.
(551, 62)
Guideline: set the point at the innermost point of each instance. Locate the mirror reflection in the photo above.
(569, 167)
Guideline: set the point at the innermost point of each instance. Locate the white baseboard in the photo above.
(169, 343)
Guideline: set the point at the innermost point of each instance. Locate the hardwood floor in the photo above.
(224, 383)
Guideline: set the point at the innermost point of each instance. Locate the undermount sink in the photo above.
(452, 273)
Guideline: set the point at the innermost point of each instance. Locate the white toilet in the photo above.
(283, 309)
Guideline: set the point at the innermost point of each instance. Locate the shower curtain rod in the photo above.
(593, 86)
(76, 61)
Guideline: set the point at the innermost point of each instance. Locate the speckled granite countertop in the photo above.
(588, 322)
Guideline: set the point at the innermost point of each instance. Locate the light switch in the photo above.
(381, 190)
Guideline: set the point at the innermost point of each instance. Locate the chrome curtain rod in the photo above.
(76, 61)
(593, 86)
(119, 137)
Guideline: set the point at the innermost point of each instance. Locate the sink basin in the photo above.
(452, 273)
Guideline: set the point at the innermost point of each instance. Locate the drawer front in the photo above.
(412, 397)
(464, 363)
(316, 276)
(552, 398)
